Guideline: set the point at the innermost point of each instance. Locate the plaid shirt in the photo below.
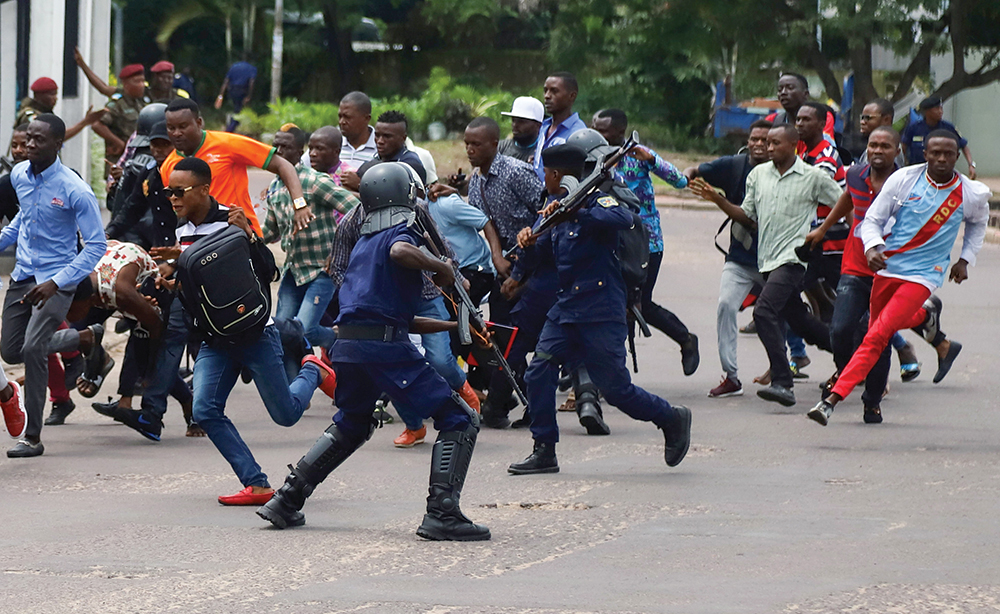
(306, 252)
(347, 238)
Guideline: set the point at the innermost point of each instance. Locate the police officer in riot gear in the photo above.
(588, 320)
(373, 354)
(138, 166)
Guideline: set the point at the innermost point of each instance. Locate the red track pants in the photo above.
(896, 305)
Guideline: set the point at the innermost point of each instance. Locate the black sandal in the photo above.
(99, 364)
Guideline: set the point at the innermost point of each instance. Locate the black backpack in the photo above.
(225, 285)
(632, 251)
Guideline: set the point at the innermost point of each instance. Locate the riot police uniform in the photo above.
(131, 200)
(373, 354)
(588, 322)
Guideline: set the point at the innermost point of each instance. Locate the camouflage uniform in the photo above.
(174, 93)
(123, 113)
(30, 108)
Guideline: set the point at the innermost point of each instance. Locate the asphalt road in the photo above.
(769, 512)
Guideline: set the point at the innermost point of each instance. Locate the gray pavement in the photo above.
(769, 512)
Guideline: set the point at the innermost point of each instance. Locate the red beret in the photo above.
(162, 66)
(44, 84)
(130, 71)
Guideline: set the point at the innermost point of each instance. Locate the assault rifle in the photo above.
(468, 312)
(579, 192)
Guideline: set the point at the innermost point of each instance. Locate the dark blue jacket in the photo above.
(590, 286)
(377, 291)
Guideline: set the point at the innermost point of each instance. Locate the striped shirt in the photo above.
(216, 220)
(825, 157)
(862, 193)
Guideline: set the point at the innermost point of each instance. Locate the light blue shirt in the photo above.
(460, 223)
(571, 124)
(54, 206)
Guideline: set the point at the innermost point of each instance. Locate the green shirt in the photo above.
(784, 207)
(306, 252)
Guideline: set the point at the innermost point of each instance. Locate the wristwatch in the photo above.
(972, 165)
(299, 203)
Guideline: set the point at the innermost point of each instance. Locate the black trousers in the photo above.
(779, 302)
(655, 315)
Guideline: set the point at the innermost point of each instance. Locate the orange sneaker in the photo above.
(410, 438)
(469, 396)
(14, 415)
(329, 383)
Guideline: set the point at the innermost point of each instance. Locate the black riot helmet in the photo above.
(389, 196)
(592, 142)
(150, 115)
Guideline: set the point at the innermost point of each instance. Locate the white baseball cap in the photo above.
(526, 107)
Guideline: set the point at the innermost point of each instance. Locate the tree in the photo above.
(914, 29)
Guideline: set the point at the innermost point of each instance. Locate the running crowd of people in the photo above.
(385, 262)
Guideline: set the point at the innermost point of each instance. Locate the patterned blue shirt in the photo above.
(635, 174)
(509, 195)
(54, 205)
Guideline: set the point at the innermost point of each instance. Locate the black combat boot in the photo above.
(444, 521)
(588, 403)
(541, 460)
(494, 417)
(676, 436)
(328, 453)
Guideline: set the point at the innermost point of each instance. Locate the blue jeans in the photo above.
(215, 372)
(307, 303)
(164, 375)
(437, 346)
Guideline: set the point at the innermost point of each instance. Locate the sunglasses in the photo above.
(868, 118)
(180, 192)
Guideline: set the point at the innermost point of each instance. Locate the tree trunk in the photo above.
(229, 38)
(859, 51)
(338, 42)
(277, 49)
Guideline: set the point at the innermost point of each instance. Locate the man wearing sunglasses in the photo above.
(220, 359)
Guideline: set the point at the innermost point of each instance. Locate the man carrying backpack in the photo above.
(587, 320)
(222, 266)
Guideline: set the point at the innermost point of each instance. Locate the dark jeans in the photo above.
(780, 302)
(655, 315)
(168, 361)
(848, 327)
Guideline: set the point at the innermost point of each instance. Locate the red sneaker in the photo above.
(15, 417)
(246, 497)
(729, 387)
(329, 383)
(411, 438)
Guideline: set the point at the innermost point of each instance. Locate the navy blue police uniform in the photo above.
(378, 294)
(373, 355)
(588, 320)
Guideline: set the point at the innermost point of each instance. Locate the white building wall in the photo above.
(974, 113)
(8, 71)
(46, 53)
